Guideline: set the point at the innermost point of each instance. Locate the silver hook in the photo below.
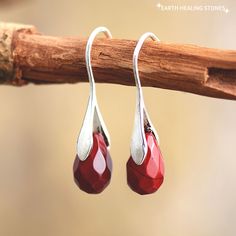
(93, 121)
(142, 121)
(91, 38)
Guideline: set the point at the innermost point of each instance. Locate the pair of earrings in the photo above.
(93, 165)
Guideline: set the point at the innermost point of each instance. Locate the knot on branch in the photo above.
(9, 74)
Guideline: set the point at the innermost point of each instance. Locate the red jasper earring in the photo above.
(93, 165)
(145, 167)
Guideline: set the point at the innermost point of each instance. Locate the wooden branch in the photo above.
(29, 57)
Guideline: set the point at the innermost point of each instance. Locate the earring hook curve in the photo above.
(142, 121)
(93, 121)
(88, 50)
(137, 49)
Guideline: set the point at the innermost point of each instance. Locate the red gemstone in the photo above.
(94, 173)
(147, 177)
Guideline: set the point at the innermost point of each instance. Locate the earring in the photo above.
(93, 165)
(145, 167)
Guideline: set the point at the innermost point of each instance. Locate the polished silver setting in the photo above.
(93, 121)
(142, 121)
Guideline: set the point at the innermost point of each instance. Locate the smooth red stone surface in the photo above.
(93, 174)
(147, 177)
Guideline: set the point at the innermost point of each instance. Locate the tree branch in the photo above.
(29, 57)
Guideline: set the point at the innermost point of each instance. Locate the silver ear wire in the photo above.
(142, 121)
(93, 121)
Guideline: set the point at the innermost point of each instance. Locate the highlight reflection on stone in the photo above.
(147, 177)
(94, 173)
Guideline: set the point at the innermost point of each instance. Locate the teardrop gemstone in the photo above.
(94, 173)
(147, 177)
